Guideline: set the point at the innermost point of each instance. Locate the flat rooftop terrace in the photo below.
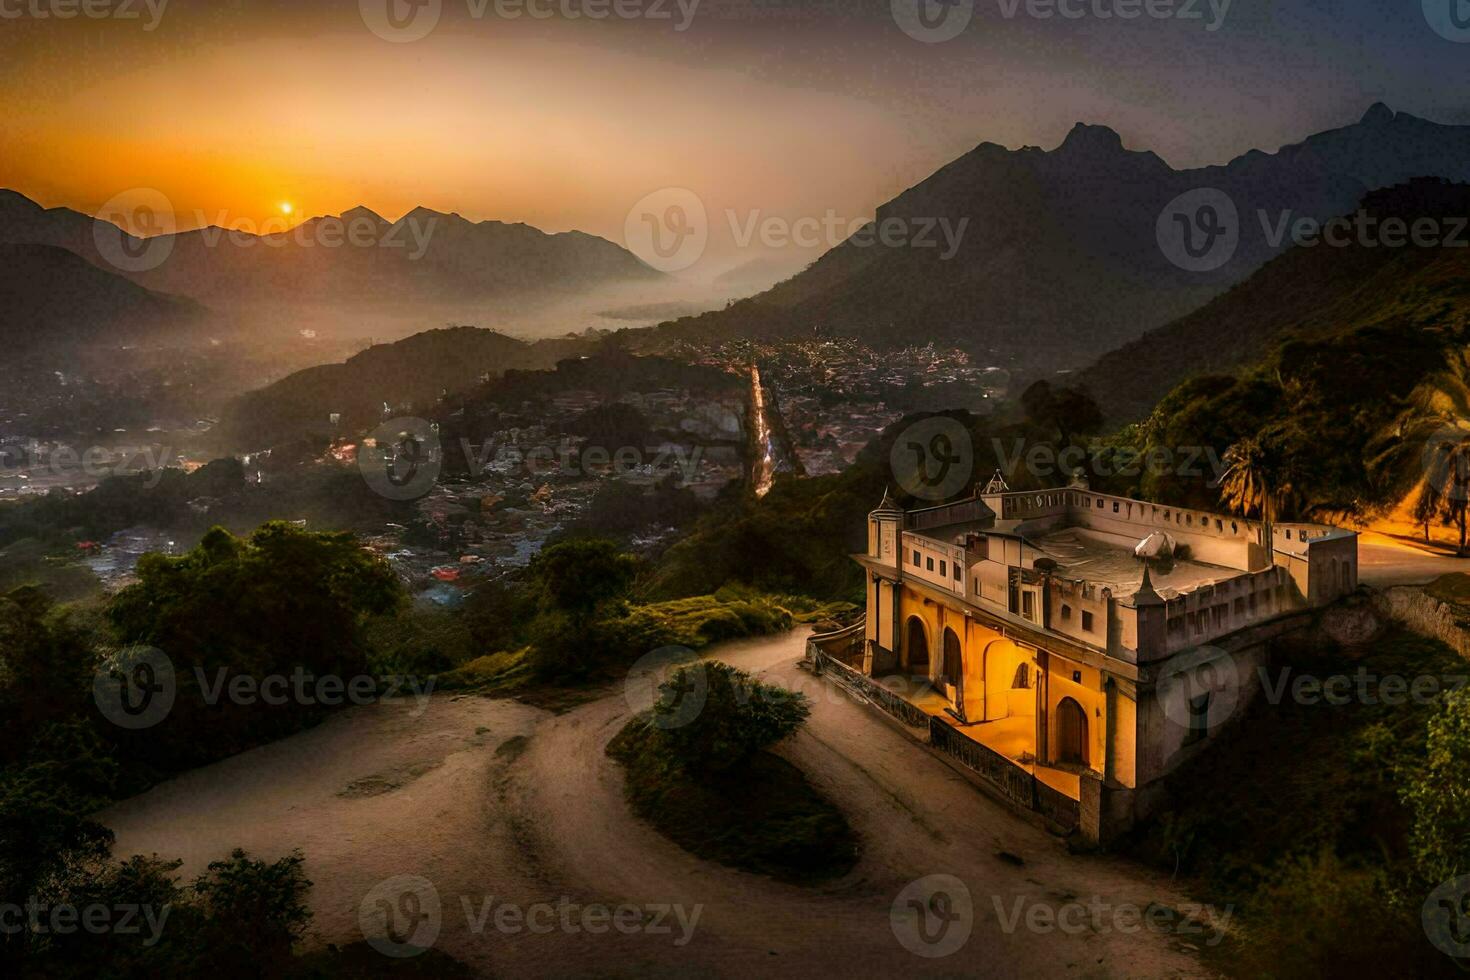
(1080, 555)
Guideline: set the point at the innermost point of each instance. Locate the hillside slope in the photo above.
(1060, 257)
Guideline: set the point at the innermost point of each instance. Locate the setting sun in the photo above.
(286, 207)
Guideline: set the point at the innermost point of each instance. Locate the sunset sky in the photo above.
(232, 108)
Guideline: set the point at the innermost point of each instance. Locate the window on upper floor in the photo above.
(1066, 613)
(916, 557)
(958, 577)
(943, 568)
(1028, 605)
(929, 564)
(1087, 621)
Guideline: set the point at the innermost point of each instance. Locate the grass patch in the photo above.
(762, 816)
(1299, 806)
(493, 673)
(1453, 589)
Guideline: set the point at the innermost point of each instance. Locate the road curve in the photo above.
(494, 803)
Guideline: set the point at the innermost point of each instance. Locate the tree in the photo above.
(734, 716)
(1068, 409)
(284, 602)
(579, 584)
(1438, 794)
(1446, 487)
(1255, 481)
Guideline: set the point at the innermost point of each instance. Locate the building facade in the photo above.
(1032, 624)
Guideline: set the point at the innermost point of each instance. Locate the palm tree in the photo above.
(1253, 483)
(1446, 487)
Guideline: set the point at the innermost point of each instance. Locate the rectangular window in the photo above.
(1115, 507)
(1239, 609)
(1066, 612)
(943, 568)
(958, 577)
(916, 557)
(1087, 621)
(929, 564)
(1028, 605)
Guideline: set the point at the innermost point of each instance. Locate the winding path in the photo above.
(495, 801)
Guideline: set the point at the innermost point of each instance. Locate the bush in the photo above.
(735, 716)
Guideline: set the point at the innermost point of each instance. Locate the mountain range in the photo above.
(356, 260)
(1062, 257)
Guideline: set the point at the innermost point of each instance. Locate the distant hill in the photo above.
(357, 257)
(1347, 364)
(412, 371)
(1060, 260)
(1305, 293)
(53, 300)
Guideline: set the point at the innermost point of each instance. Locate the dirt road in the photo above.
(512, 821)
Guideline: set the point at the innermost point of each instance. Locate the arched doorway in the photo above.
(1071, 733)
(917, 647)
(953, 663)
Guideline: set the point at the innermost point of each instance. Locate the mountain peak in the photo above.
(1092, 138)
(362, 211)
(1377, 114)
